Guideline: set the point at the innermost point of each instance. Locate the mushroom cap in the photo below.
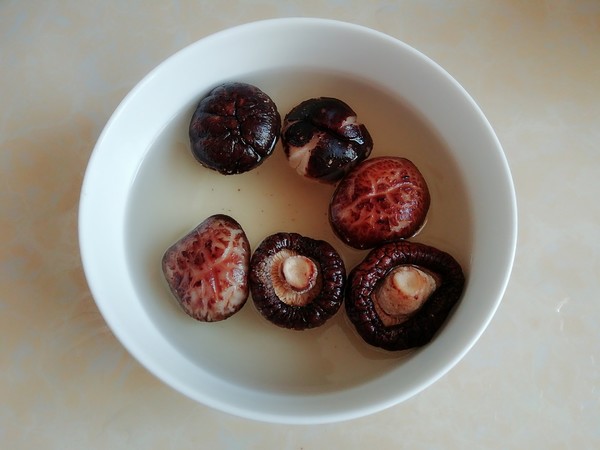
(207, 269)
(323, 139)
(420, 327)
(234, 128)
(381, 200)
(325, 296)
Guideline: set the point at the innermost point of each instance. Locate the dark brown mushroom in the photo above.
(381, 200)
(296, 282)
(401, 293)
(323, 140)
(207, 269)
(234, 128)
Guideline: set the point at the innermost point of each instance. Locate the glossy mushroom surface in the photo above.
(296, 282)
(399, 296)
(323, 139)
(207, 269)
(381, 200)
(234, 128)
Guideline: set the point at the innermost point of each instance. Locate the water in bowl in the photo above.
(172, 193)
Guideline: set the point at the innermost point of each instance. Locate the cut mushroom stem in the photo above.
(299, 272)
(402, 293)
(296, 278)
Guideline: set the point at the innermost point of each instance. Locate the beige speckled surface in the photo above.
(532, 381)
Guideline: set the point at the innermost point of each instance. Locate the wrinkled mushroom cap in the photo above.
(369, 294)
(234, 128)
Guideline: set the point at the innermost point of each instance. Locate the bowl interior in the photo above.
(144, 190)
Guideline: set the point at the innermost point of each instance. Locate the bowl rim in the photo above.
(302, 411)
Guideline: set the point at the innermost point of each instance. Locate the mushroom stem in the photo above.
(299, 272)
(296, 278)
(402, 293)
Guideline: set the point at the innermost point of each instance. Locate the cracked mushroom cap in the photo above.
(323, 139)
(381, 200)
(207, 269)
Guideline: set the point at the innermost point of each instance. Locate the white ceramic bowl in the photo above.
(143, 190)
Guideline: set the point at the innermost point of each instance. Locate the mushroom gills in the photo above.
(402, 292)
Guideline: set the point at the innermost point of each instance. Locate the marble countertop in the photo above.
(533, 379)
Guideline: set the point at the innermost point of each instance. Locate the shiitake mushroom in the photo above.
(399, 296)
(296, 282)
(207, 269)
(234, 128)
(323, 139)
(381, 200)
